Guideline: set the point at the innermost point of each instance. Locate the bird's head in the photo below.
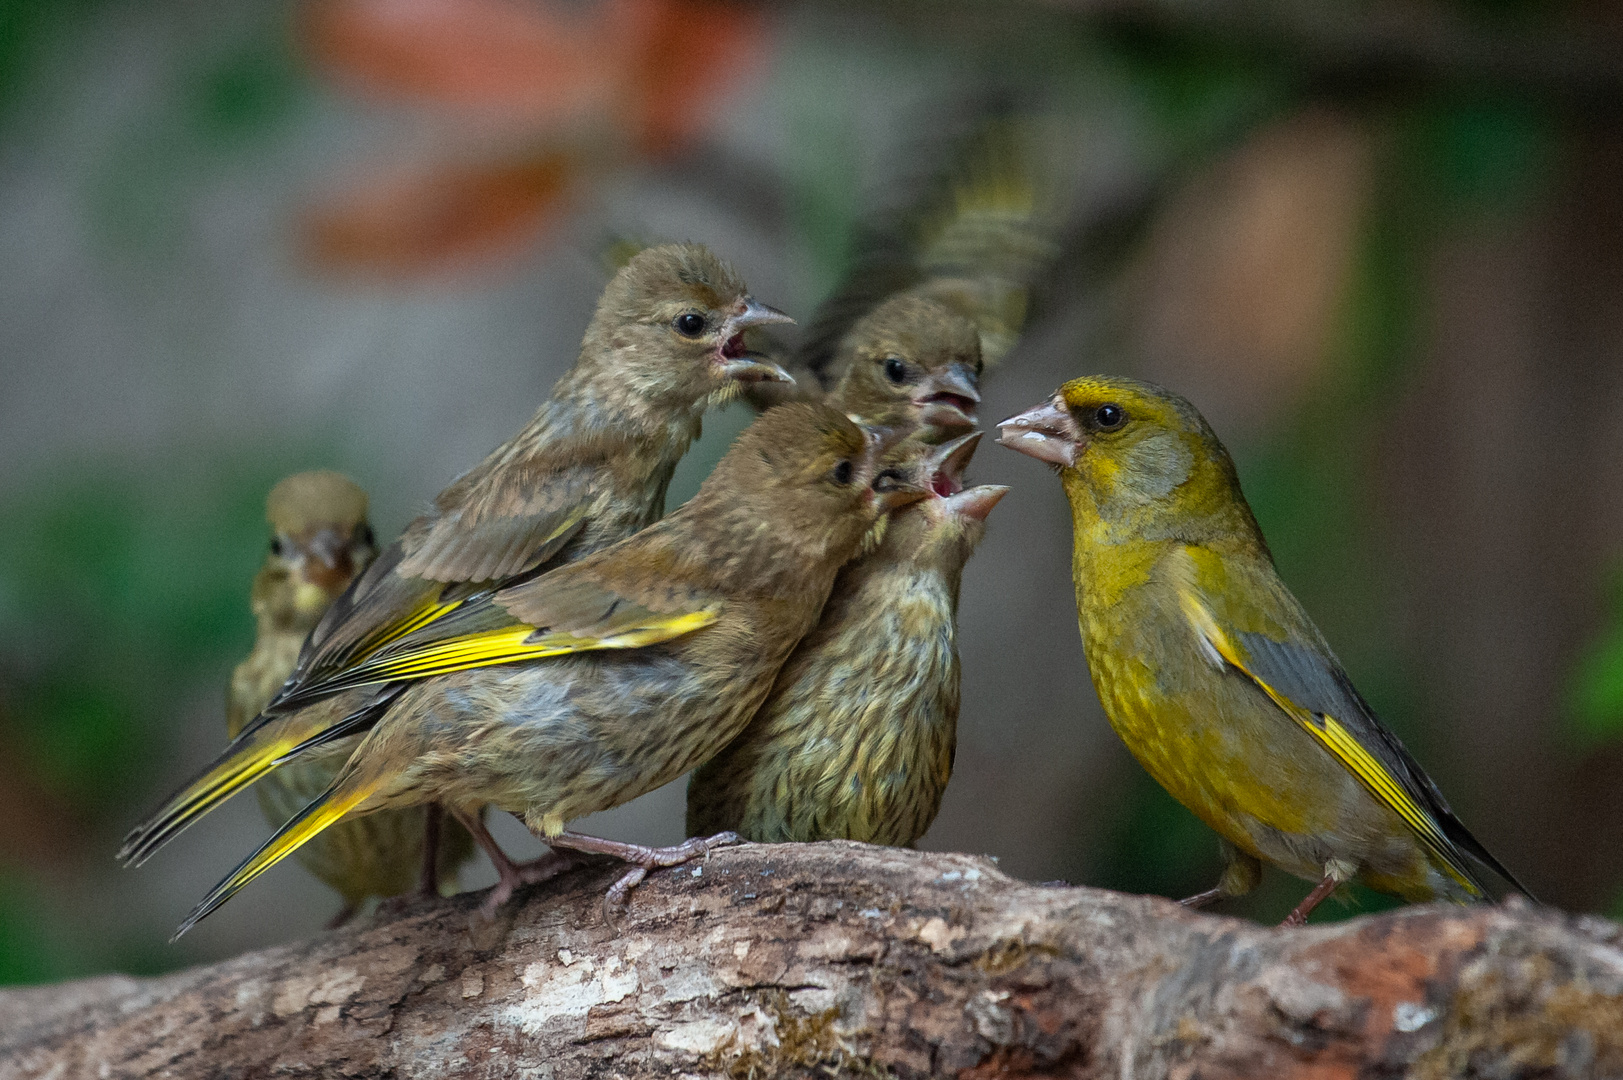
(813, 477)
(320, 540)
(912, 361)
(670, 329)
(1129, 448)
(947, 524)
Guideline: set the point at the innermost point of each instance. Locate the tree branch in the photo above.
(810, 959)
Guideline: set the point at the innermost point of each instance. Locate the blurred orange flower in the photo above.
(584, 87)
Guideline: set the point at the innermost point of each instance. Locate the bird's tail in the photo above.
(346, 793)
(251, 755)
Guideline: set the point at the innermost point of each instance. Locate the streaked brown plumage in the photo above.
(321, 541)
(856, 740)
(646, 657)
(911, 363)
(590, 468)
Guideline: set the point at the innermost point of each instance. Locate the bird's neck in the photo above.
(588, 407)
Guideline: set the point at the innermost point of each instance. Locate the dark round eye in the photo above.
(843, 472)
(278, 547)
(365, 537)
(895, 370)
(689, 324)
(1109, 417)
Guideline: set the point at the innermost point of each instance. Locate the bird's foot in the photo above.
(1203, 899)
(513, 874)
(345, 913)
(642, 860)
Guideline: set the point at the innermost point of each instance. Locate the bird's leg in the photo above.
(428, 882)
(1241, 873)
(511, 874)
(1298, 917)
(642, 859)
(345, 913)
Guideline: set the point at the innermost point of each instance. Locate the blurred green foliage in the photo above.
(1596, 688)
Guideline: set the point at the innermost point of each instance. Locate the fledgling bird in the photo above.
(1213, 674)
(321, 541)
(911, 363)
(856, 740)
(587, 686)
(590, 469)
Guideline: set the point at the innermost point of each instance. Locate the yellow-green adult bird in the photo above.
(320, 541)
(856, 740)
(580, 689)
(1214, 676)
(591, 468)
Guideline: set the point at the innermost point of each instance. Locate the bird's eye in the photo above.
(1109, 417)
(278, 547)
(689, 324)
(365, 537)
(843, 473)
(895, 370)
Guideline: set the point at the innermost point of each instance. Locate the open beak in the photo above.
(1046, 432)
(976, 502)
(735, 361)
(947, 399)
(945, 464)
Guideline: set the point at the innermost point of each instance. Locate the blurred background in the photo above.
(1379, 244)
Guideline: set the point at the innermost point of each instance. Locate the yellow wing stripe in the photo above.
(1339, 741)
(294, 835)
(518, 643)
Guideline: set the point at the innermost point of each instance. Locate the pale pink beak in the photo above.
(1046, 432)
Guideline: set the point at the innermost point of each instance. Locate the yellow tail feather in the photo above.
(234, 770)
(326, 810)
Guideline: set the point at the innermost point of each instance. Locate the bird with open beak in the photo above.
(320, 541)
(1213, 674)
(912, 363)
(590, 469)
(856, 740)
(580, 689)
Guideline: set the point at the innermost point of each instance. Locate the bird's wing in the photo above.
(1251, 623)
(976, 240)
(583, 607)
(502, 519)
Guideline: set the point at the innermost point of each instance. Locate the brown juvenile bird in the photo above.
(321, 541)
(856, 740)
(911, 363)
(589, 685)
(590, 468)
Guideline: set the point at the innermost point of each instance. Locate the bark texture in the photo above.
(822, 959)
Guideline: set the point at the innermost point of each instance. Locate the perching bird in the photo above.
(856, 740)
(582, 688)
(1214, 676)
(911, 363)
(590, 469)
(321, 540)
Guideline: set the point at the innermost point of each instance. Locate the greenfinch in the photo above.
(911, 363)
(856, 739)
(591, 468)
(321, 540)
(1213, 674)
(584, 687)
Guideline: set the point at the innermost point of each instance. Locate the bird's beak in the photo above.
(1046, 432)
(327, 562)
(895, 485)
(976, 502)
(948, 398)
(945, 464)
(736, 362)
(754, 313)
